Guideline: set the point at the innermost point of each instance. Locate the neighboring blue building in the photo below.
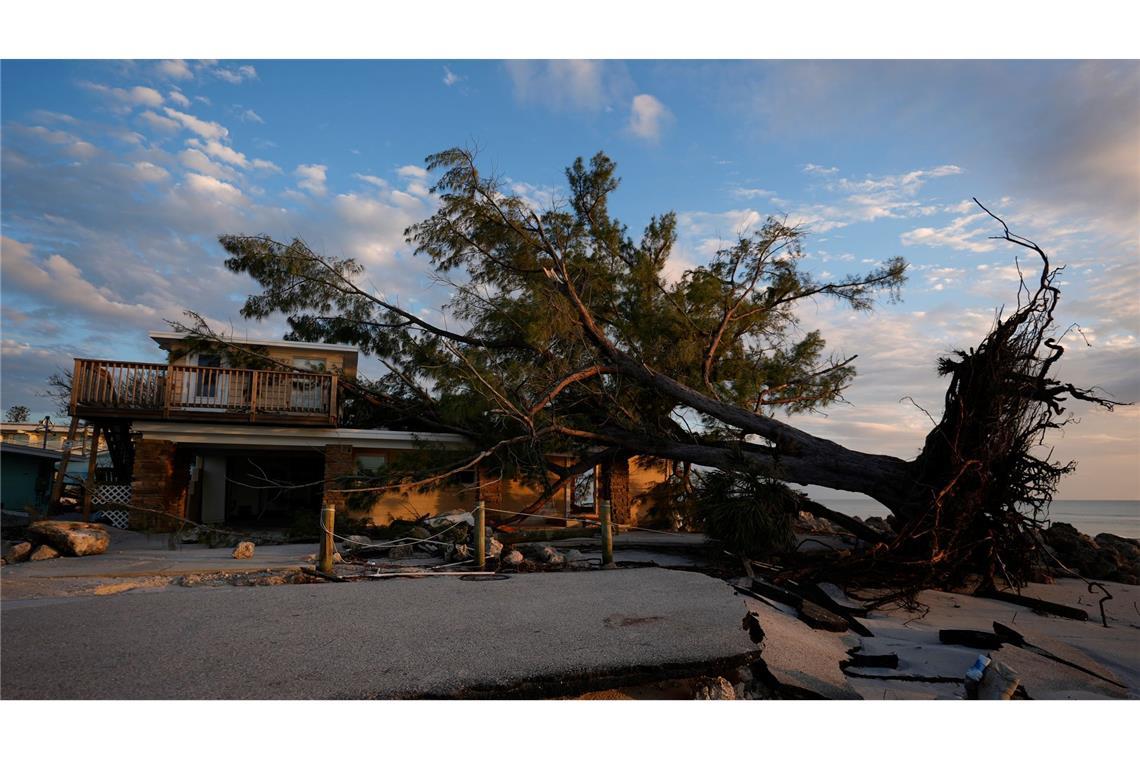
(26, 476)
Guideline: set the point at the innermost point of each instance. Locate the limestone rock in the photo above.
(714, 688)
(513, 558)
(1108, 557)
(75, 539)
(420, 532)
(43, 552)
(880, 524)
(494, 547)
(19, 552)
(356, 542)
(244, 550)
(551, 556)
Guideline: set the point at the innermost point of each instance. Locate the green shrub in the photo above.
(749, 514)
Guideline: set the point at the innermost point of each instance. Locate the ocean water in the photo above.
(1121, 518)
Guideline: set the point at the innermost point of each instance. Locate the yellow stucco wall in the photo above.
(516, 496)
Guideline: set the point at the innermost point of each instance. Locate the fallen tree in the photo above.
(573, 339)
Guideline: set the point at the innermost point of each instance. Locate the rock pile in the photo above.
(48, 539)
(1106, 557)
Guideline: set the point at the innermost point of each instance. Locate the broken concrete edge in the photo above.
(575, 683)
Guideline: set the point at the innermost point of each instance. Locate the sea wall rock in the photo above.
(74, 539)
(1106, 558)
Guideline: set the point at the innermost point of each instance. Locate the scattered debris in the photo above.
(861, 660)
(513, 558)
(714, 688)
(817, 617)
(999, 681)
(243, 550)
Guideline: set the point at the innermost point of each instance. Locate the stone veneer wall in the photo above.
(159, 481)
(615, 486)
(340, 461)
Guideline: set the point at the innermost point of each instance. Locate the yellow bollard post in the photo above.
(607, 533)
(327, 548)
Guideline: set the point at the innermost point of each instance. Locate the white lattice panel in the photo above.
(111, 493)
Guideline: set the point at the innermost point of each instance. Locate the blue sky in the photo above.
(118, 176)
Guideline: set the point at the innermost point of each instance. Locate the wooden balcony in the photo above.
(135, 390)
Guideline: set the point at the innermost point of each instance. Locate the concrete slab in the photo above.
(800, 657)
(530, 635)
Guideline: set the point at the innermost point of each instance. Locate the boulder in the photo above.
(1107, 558)
(494, 547)
(74, 539)
(244, 550)
(460, 552)
(356, 542)
(43, 552)
(714, 688)
(880, 524)
(19, 552)
(513, 558)
(420, 532)
(551, 556)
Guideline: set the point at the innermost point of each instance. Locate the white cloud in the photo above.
(450, 77)
(411, 170)
(251, 115)
(564, 85)
(263, 165)
(57, 275)
(647, 116)
(175, 69)
(225, 153)
(215, 189)
(197, 161)
(127, 97)
(148, 172)
(178, 99)
(312, 178)
(208, 129)
(372, 180)
(817, 169)
(235, 75)
(960, 234)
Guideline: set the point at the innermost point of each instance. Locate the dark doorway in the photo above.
(273, 490)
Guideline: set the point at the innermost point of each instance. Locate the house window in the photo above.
(207, 381)
(369, 463)
(583, 494)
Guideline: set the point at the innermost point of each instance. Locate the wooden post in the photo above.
(167, 391)
(92, 461)
(480, 534)
(607, 534)
(325, 555)
(253, 398)
(332, 402)
(57, 486)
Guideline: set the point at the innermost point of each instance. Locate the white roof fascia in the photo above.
(254, 436)
(156, 336)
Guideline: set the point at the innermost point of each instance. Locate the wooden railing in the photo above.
(172, 391)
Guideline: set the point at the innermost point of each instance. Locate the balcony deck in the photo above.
(137, 390)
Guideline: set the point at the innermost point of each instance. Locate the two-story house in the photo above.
(250, 435)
